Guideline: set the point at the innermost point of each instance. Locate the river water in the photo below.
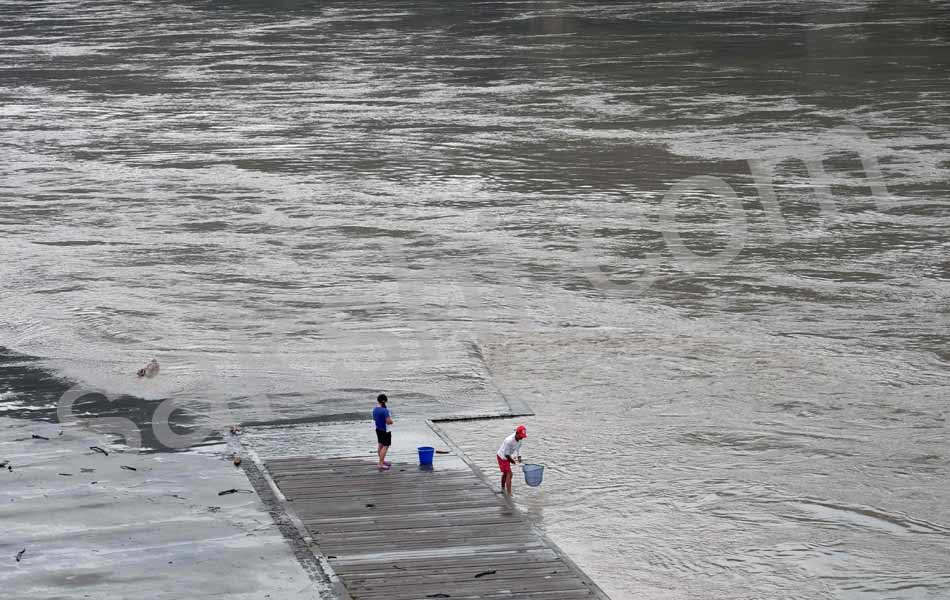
(705, 241)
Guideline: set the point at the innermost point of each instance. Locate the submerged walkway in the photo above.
(411, 534)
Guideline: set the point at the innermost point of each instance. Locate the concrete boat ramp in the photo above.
(81, 523)
(415, 534)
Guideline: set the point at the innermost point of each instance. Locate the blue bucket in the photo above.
(425, 455)
(533, 474)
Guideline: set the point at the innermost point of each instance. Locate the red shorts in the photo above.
(504, 464)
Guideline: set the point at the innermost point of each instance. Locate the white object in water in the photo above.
(150, 370)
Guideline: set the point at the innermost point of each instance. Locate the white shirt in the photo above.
(510, 447)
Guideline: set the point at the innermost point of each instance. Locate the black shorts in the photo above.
(385, 438)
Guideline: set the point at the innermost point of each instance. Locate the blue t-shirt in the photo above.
(380, 415)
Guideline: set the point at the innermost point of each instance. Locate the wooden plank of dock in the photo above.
(410, 534)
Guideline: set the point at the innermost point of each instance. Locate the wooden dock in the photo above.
(410, 534)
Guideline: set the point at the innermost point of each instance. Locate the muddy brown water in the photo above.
(293, 205)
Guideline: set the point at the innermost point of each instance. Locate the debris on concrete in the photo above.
(72, 529)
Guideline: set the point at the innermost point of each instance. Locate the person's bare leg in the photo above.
(379, 453)
(382, 455)
(510, 477)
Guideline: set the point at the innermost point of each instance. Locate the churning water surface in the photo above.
(706, 241)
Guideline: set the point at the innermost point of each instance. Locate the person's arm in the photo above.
(389, 418)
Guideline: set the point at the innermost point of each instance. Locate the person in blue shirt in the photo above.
(383, 435)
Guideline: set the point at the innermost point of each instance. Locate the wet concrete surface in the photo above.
(127, 525)
(349, 439)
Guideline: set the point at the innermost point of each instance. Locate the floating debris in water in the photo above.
(99, 450)
(40, 437)
(128, 468)
(66, 474)
(85, 470)
(484, 573)
(150, 370)
(20, 554)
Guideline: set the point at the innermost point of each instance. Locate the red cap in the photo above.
(522, 430)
